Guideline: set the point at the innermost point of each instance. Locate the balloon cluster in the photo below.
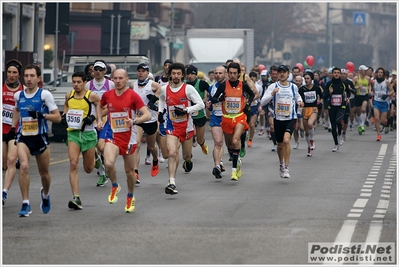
(309, 61)
(350, 66)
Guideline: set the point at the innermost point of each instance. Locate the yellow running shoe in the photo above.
(204, 148)
(130, 207)
(239, 171)
(234, 176)
(113, 196)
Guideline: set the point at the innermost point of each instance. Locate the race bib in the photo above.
(233, 105)
(119, 122)
(283, 108)
(74, 119)
(362, 90)
(336, 100)
(8, 111)
(174, 117)
(217, 109)
(30, 126)
(310, 97)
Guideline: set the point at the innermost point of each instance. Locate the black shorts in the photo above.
(37, 144)
(199, 122)
(6, 139)
(281, 127)
(149, 128)
(360, 99)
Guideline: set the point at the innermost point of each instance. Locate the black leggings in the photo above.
(332, 114)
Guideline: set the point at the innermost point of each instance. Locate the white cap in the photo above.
(394, 72)
(100, 64)
(263, 73)
(150, 76)
(344, 71)
(363, 67)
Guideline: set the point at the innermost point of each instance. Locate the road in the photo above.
(346, 196)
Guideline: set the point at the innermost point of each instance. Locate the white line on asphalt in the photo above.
(374, 233)
(360, 203)
(383, 204)
(383, 149)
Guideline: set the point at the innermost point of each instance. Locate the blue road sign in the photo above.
(359, 18)
(320, 60)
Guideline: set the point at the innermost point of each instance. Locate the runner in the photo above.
(311, 94)
(363, 87)
(299, 121)
(285, 95)
(177, 98)
(122, 104)
(10, 87)
(33, 107)
(82, 137)
(254, 108)
(234, 121)
(382, 90)
(348, 111)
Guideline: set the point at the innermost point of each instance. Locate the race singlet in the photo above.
(233, 105)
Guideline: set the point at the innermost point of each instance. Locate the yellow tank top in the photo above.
(82, 104)
(364, 83)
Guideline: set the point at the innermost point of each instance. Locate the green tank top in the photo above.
(198, 114)
(364, 83)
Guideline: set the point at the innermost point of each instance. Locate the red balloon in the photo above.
(350, 66)
(261, 67)
(310, 60)
(300, 66)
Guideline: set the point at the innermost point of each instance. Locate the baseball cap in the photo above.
(330, 69)
(363, 67)
(100, 64)
(150, 76)
(142, 66)
(192, 70)
(394, 72)
(168, 61)
(263, 73)
(344, 71)
(283, 67)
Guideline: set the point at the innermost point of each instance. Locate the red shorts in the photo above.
(229, 124)
(183, 136)
(124, 148)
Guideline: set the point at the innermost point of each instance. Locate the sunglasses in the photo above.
(98, 69)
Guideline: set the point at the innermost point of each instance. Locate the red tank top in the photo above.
(234, 101)
(8, 107)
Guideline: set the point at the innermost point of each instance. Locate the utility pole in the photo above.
(36, 33)
(172, 33)
(56, 44)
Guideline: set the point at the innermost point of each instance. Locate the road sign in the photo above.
(320, 60)
(359, 18)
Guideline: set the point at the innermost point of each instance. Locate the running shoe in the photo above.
(171, 189)
(217, 172)
(363, 130)
(154, 170)
(350, 127)
(344, 136)
(269, 134)
(45, 205)
(302, 133)
(195, 141)
(234, 176)
(359, 130)
(239, 171)
(367, 123)
(113, 195)
(281, 171)
(249, 143)
(204, 148)
(309, 152)
(137, 178)
(188, 165)
(386, 130)
(372, 120)
(296, 146)
(75, 204)
(242, 152)
(25, 210)
(274, 148)
(286, 172)
(336, 148)
(378, 139)
(329, 129)
(160, 157)
(222, 169)
(147, 160)
(261, 132)
(312, 145)
(340, 140)
(130, 204)
(5, 194)
(102, 180)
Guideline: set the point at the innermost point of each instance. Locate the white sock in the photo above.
(308, 140)
(172, 181)
(311, 134)
(363, 118)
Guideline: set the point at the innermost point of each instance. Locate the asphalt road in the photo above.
(347, 196)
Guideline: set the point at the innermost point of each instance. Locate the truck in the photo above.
(209, 48)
